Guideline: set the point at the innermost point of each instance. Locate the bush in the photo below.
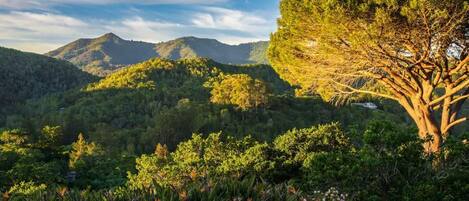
(23, 190)
(297, 144)
(390, 163)
(317, 163)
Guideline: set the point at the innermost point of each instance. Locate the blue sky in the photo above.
(43, 25)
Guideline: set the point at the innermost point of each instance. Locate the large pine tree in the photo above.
(412, 51)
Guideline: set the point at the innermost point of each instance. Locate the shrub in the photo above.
(297, 144)
(24, 189)
(390, 162)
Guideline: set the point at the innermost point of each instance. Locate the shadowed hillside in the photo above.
(27, 75)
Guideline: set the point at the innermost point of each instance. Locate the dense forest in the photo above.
(149, 101)
(100, 131)
(350, 108)
(30, 76)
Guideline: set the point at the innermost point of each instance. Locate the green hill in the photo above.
(107, 52)
(30, 76)
(165, 101)
(27, 75)
(104, 54)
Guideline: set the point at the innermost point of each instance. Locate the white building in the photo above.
(368, 105)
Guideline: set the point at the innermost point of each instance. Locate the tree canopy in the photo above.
(240, 90)
(415, 52)
(27, 75)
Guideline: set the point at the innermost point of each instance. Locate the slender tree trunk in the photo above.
(446, 116)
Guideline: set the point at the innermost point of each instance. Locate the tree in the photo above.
(80, 150)
(412, 51)
(240, 90)
(51, 135)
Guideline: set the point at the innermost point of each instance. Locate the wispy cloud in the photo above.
(27, 4)
(249, 23)
(42, 31)
(222, 18)
(16, 4)
(25, 25)
(138, 28)
(39, 31)
(156, 31)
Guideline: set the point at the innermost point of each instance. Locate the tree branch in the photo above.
(365, 91)
(460, 66)
(454, 91)
(454, 123)
(460, 99)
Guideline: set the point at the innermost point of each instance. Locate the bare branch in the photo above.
(365, 91)
(454, 123)
(460, 99)
(451, 93)
(460, 66)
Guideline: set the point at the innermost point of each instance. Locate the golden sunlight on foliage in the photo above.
(240, 90)
(415, 52)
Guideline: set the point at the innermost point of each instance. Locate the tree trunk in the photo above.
(433, 141)
(429, 129)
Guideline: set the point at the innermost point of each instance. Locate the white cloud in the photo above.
(39, 32)
(249, 23)
(145, 30)
(28, 4)
(222, 18)
(138, 2)
(18, 4)
(42, 32)
(23, 25)
(157, 31)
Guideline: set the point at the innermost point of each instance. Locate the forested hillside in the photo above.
(105, 125)
(109, 52)
(29, 76)
(164, 101)
(190, 47)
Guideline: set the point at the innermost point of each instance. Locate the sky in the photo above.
(44, 25)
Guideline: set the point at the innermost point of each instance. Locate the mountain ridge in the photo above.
(109, 52)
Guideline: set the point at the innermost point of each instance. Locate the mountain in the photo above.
(189, 47)
(27, 75)
(109, 52)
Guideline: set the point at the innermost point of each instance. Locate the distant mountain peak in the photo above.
(188, 37)
(194, 38)
(111, 36)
